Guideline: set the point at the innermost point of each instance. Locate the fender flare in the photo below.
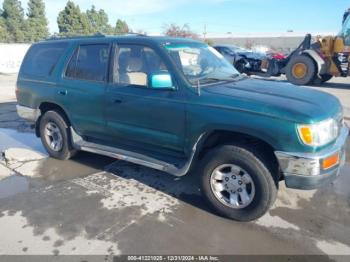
(321, 63)
(54, 104)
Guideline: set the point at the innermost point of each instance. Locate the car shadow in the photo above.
(185, 188)
(334, 85)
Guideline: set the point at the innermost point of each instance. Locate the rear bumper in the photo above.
(28, 113)
(305, 171)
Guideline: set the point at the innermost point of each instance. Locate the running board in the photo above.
(132, 157)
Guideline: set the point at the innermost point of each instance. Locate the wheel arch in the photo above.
(50, 106)
(220, 137)
(321, 67)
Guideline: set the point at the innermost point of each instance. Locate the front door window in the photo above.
(134, 64)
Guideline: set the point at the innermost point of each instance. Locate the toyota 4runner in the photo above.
(178, 106)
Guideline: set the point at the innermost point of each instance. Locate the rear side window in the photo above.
(41, 59)
(89, 62)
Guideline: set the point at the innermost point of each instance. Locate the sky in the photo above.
(218, 16)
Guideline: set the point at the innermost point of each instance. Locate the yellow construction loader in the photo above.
(318, 62)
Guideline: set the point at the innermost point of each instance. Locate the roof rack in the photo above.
(137, 34)
(62, 37)
(59, 37)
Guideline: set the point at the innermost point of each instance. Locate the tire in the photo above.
(301, 70)
(240, 66)
(320, 80)
(247, 159)
(53, 123)
(326, 78)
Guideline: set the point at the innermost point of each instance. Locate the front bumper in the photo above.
(28, 113)
(305, 171)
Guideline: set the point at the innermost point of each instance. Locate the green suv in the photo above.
(178, 106)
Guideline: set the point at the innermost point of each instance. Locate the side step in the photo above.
(132, 157)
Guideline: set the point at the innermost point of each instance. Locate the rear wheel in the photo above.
(236, 183)
(301, 70)
(55, 136)
(326, 78)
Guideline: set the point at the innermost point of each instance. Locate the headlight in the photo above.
(318, 134)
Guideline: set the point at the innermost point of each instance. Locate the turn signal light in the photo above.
(330, 161)
(306, 134)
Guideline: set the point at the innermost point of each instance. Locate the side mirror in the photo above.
(161, 81)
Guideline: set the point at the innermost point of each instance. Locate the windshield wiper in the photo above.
(211, 79)
(219, 79)
(235, 75)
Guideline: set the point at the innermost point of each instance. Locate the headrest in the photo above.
(134, 64)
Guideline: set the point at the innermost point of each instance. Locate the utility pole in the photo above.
(205, 31)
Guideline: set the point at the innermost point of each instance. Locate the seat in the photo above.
(134, 72)
(130, 70)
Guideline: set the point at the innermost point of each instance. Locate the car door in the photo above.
(138, 114)
(82, 88)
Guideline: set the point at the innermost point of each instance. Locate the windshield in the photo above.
(236, 48)
(345, 33)
(201, 63)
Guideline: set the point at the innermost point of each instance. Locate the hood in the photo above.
(276, 99)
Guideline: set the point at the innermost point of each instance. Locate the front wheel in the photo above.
(236, 183)
(301, 70)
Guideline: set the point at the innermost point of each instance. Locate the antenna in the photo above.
(205, 31)
(198, 88)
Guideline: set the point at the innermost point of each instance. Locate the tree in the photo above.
(37, 23)
(71, 21)
(4, 36)
(121, 27)
(99, 21)
(13, 19)
(185, 31)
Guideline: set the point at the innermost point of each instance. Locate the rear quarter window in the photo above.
(41, 59)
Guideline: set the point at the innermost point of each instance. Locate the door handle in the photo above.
(63, 93)
(117, 101)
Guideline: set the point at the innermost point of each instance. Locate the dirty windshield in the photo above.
(201, 63)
